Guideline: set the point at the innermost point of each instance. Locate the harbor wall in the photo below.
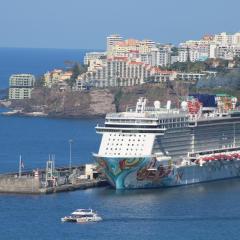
(12, 184)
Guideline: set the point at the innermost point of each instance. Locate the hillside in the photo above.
(98, 102)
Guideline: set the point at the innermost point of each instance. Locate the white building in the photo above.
(158, 75)
(56, 77)
(224, 38)
(223, 45)
(93, 56)
(190, 76)
(115, 72)
(21, 86)
(227, 52)
(161, 56)
(112, 40)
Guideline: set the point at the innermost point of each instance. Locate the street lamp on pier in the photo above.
(70, 154)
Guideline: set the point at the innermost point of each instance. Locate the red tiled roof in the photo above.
(137, 63)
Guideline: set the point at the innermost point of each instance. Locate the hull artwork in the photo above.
(147, 173)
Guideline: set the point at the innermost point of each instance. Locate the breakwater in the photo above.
(52, 180)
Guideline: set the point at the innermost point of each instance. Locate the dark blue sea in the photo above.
(196, 212)
(34, 61)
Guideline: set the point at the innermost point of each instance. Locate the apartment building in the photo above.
(93, 56)
(56, 77)
(21, 86)
(115, 72)
(112, 40)
(223, 45)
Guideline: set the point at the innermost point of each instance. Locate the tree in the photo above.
(77, 70)
(117, 98)
(174, 51)
(39, 82)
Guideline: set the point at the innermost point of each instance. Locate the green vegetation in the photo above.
(117, 98)
(227, 80)
(39, 82)
(218, 65)
(196, 67)
(237, 61)
(77, 70)
(174, 51)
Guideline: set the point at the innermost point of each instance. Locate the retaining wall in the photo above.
(12, 184)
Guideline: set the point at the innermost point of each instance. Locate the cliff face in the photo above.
(96, 103)
(152, 92)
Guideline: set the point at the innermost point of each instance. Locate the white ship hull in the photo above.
(164, 147)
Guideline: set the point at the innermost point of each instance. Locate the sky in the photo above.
(84, 24)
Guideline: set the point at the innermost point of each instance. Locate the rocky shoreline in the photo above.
(91, 104)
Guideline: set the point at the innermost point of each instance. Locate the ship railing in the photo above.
(208, 116)
(98, 155)
(214, 151)
(152, 114)
(131, 121)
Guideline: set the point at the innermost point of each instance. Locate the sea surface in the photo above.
(195, 212)
(35, 61)
(202, 211)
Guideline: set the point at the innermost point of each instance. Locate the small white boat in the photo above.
(82, 216)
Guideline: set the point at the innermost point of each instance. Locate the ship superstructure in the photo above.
(163, 146)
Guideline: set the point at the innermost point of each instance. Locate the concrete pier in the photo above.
(45, 182)
(13, 184)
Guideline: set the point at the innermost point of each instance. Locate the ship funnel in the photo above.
(141, 104)
(184, 106)
(157, 104)
(168, 105)
(234, 102)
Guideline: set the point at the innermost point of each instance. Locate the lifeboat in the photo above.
(235, 155)
(194, 106)
(219, 157)
(229, 157)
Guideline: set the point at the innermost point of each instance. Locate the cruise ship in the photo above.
(160, 146)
